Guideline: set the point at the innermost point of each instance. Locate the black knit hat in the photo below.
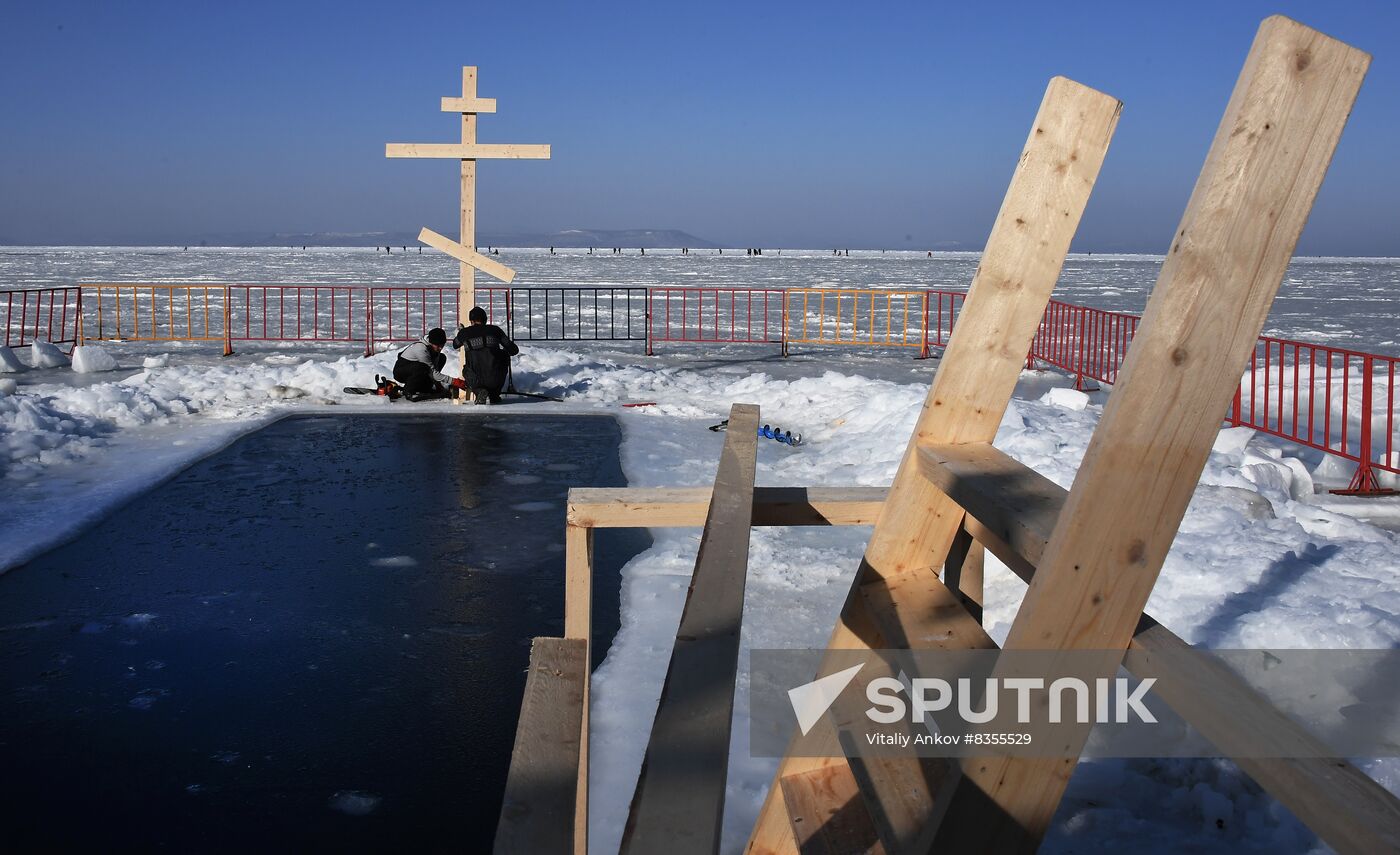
(477, 314)
(437, 337)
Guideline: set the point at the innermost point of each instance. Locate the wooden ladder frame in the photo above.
(1092, 554)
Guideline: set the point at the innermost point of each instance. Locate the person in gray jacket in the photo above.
(419, 368)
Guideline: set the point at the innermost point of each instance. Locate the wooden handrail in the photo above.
(537, 814)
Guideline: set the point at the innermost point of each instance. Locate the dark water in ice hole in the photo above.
(314, 640)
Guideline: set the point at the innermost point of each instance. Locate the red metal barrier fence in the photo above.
(1312, 394)
(941, 312)
(1088, 343)
(716, 316)
(45, 314)
(396, 315)
(329, 313)
(1339, 401)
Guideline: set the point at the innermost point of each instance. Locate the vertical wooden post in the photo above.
(228, 320)
(369, 322)
(466, 289)
(1220, 276)
(578, 623)
(962, 571)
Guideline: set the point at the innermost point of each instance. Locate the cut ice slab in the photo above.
(89, 359)
(1069, 399)
(42, 354)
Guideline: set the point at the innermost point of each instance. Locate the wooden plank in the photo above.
(468, 105)
(963, 570)
(578, 623)
(537, 815)
(916, 611)
(467, 256)
(906, 794)
(1340, 803)
(578, 582)
(977, 374)
(1225, 264)
(677, 507)
(828, 815)
(466, 272)
(999, 320)
(679, 800)
(464, 151)
(1019, 504)
(1345, 808)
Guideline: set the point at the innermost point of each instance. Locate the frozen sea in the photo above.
(1345, 302)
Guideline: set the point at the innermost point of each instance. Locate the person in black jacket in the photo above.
(419, 368)
(488, 351)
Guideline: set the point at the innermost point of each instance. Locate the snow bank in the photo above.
(9, 362)
(45, 355)
(90, 359)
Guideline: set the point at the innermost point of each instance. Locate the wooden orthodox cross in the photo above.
(468, 152)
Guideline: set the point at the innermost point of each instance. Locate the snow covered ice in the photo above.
(1264, 557)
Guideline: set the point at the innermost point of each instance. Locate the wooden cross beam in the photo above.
(468, 152)
(467, 256)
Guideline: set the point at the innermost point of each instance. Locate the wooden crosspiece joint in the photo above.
(469, 151)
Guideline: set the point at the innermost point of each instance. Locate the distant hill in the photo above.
(627, 238)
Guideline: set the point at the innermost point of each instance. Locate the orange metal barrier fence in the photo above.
(857, 316)
(155, 312)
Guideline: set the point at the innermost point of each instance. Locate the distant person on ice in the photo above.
(488, 351)
(419, 367)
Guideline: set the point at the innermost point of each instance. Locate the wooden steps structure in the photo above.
(1090, 555)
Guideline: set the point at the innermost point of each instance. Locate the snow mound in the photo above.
(156, 361)
(42, 354)
(9, 362)
(1281, 478)
(90, 359)
(1069, 399)
(280, 392)
(1232, 440)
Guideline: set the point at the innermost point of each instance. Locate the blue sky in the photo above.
(775, 124)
